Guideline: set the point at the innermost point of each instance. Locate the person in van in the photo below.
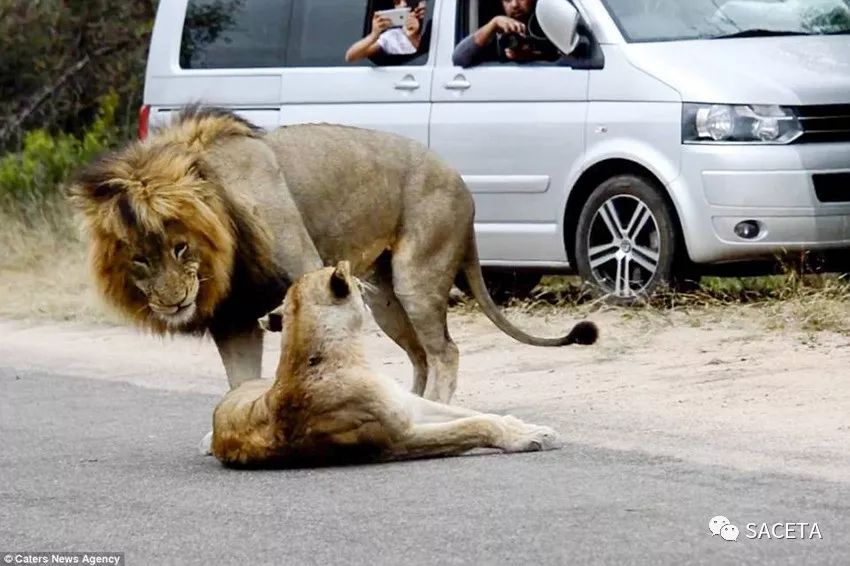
(386, 40)
(504, 38)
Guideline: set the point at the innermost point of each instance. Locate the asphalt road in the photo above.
(93, 465)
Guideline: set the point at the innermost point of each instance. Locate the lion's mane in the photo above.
(142, 189)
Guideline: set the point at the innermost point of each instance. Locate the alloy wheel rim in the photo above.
(623, 246)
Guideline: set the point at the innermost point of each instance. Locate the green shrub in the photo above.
(32, 179)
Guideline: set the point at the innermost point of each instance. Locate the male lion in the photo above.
(202, 227)
(326, 406)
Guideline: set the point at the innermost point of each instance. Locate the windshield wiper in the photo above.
(758, 33)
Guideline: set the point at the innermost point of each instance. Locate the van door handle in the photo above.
(407, 83)
(458, 83)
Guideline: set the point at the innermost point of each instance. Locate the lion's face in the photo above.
(167, 269)
(163, 240)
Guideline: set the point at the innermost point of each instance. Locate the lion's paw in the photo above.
(525, 437)
(205, 446)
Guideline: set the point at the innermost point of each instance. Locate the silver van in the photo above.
(670, 133)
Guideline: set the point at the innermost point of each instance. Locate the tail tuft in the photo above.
(585, 333)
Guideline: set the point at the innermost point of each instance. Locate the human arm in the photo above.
(368, 46)
(471, 50)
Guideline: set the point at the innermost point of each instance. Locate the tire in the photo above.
(505, 285)
(626, 269)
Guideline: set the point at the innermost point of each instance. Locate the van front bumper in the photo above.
(720, 186)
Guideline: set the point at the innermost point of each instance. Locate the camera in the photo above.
(534, 39)
(511, 41)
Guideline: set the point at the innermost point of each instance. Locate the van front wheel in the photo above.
(625, 239)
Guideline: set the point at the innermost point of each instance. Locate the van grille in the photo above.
(824, 123)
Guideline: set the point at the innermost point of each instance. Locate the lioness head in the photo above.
(325, 304)
(162, 239)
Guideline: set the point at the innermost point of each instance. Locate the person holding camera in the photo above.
(386, 40)
(505, 38)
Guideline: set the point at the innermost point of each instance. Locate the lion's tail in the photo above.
(584, 332)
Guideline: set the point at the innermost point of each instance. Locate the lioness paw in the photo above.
(524, 437)
(205, 446)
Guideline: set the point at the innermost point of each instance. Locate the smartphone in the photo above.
(396, 16)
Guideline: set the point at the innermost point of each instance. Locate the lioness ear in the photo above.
(339, 282)
(273, 321)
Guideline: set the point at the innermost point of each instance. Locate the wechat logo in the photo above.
(722, 526)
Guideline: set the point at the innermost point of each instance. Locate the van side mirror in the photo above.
(559, 21)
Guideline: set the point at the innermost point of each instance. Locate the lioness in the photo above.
(202, 227)
(325, 404)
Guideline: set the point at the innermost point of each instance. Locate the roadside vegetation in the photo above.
(797, 299)
(71, 78)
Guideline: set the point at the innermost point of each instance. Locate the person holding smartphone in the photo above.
(386, 40)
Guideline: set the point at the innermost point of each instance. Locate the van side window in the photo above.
(500, 32)
(322, 30)
(235, 34)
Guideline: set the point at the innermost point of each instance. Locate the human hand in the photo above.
(421, 10)
(507, 25)
(380, 24)
(412, 24)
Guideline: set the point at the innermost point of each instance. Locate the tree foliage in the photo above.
(31, 178)
(59, 58)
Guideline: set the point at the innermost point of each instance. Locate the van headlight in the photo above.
(724, 123)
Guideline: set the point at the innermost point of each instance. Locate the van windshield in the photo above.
(669, 20)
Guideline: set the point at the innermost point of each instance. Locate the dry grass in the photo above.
(807, 303)
(44, 271)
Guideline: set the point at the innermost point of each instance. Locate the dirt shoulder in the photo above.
(729, 386)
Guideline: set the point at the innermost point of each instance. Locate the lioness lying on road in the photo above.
(326, 406)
